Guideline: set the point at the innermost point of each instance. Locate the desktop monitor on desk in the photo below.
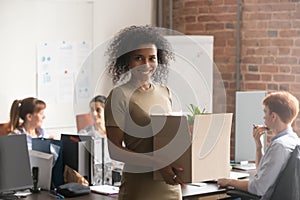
(15, 172)
(76, 151)
(44, 162)
(248, 111)
(51, 146)
(85, 154)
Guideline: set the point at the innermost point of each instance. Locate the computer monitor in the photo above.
(248, 111)
(76, 151)
(44, 162)
(53, 147)
(15, 172)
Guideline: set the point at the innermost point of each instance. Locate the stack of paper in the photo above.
(105, 189)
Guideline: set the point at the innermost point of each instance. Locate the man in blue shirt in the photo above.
(280, 110)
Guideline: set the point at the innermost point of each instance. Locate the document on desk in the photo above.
(239, 175)
(204, 190)
(104, 189)
(248, 166)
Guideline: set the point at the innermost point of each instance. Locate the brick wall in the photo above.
(270, 43)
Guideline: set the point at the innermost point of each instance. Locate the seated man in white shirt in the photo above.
(280, 109)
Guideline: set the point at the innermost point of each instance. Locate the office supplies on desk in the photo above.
(238, 175)
(56, 195)
(198, 184)
(208, 189)
(22, 193)
(105, 189)
(73, 190)
(246, 166)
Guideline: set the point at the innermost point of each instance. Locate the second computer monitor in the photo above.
(15, 172)
(76, 151)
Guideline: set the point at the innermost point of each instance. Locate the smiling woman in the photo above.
(143, 63)
(138, 61)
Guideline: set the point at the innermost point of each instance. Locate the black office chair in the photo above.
(287, 184)
(240, 195)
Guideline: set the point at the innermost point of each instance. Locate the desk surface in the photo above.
(206, 190)
(189, 191)
(44, 195)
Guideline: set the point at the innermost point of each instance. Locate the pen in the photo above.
(266, 131)
(60, 196)
(197, 185)
(57, 195)
(53, 195)
(194, 185)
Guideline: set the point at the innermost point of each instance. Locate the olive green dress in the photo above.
(129, 108)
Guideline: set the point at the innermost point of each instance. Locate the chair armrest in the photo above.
(244, 195)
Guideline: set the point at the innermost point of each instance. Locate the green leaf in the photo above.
(195, 110)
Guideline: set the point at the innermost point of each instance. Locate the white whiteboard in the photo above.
(191, 74)
(249, 111)
(24, 24)
(190, 77)
(57, 67)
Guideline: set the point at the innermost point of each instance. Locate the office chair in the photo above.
(240, 195)
(287, 184)
(83, 120)
(4, 130)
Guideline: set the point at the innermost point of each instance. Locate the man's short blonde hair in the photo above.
(284, 104)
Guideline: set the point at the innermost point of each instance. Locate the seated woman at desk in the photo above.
(97, 128)
(31, 111)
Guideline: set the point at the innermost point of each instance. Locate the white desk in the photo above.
(209, 189)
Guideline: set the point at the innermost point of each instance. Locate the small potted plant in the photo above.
(195, 110)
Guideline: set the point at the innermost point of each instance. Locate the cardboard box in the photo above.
(204, 155)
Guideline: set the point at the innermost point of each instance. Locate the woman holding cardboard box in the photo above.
(138, 60)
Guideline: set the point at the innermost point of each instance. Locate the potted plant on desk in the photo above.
(195, 110)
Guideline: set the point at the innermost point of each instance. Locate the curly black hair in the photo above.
(130, 38)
